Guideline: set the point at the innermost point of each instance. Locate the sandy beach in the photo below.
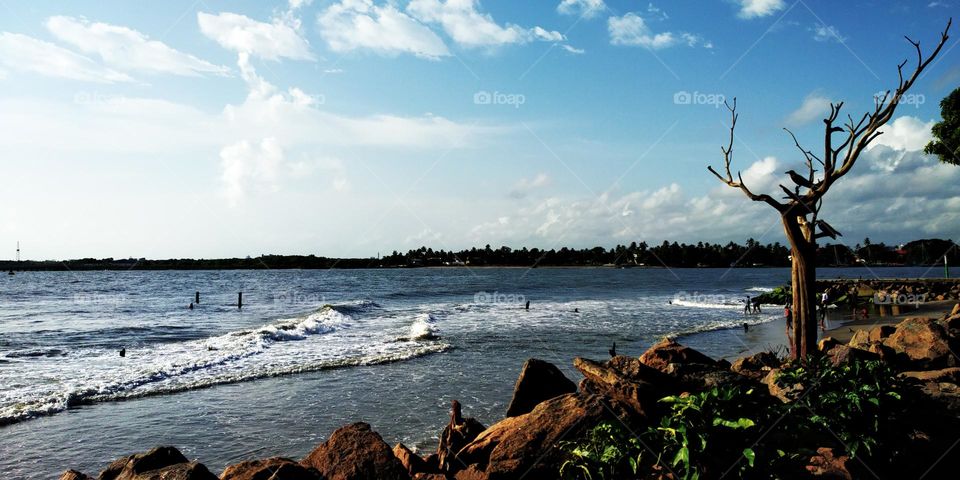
(843, 326)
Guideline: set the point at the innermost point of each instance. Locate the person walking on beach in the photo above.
(824, 300)
(756, 305)
(746, 305)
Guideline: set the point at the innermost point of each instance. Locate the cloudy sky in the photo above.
(346, 128)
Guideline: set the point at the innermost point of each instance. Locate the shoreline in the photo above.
(845, 331)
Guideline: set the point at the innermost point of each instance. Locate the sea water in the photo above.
(312, 350)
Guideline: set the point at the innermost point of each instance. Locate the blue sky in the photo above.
(342, 128)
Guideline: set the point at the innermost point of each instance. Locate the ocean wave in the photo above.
(722, 325)
(707, 303)
(285, 347)
(424, 327)
(760, 289)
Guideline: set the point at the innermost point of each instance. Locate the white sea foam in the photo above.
(760, 289)
(316, 341)
(423, 327)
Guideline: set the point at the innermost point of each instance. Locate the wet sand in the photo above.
(842, 326)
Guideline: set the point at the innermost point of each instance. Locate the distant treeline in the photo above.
(667, 254)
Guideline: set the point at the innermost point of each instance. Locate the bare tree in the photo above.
(800, 208)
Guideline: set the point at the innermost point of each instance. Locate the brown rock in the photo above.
(956, 310)
(276, 468)
(755, 366)
(180, 471)
(668, 351)
(860, 339)
(881, 332)
(827, 465)
(785, 393)
(161, 462)
(948, 375)
(843, 354)
(411, 461)
(826, 343)
(355, 452)
(627, 386)
(473, 472)
(946, 394)
(73, 475)
(429, 476)
(456, 435)
(538, 381)
(921, 342)
(527, 444)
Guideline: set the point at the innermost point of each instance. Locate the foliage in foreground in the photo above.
(741, 432)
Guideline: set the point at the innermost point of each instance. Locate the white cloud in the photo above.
(631, 30)
(127, 49)
(27, 54)
(525, 186)
(296, 4)
(464, 23)
(905, 133)
(584, 8)
(359, 24)
(573, 50)
(247, 166)
(271, 41)
(759, 8)
(815, 106)
(826, 33)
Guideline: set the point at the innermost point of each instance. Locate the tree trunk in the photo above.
(803, 275)
(804, 311)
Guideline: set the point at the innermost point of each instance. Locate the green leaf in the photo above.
(749, 454)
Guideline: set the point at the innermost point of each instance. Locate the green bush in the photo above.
(741, 432)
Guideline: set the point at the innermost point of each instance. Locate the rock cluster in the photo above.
(548, 408)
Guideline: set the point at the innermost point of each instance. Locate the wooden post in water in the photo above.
(239, 299)
(197, 298)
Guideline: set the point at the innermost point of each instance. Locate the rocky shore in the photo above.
(549, 414)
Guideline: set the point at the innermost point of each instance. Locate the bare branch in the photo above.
(728, 157)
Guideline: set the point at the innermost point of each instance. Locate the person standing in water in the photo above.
(746, 305)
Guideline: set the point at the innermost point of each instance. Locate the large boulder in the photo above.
(844, 354)
(410, 461)
(827, 464)
(527, 445)
(921, 343)
(456, 435)
(276, 468)
(355, 452)
(73, 475)
(668, 351)
(946, 375)
(624, 379)
(786, 393)
(756, 366)
(165, 463)
(538, 381)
